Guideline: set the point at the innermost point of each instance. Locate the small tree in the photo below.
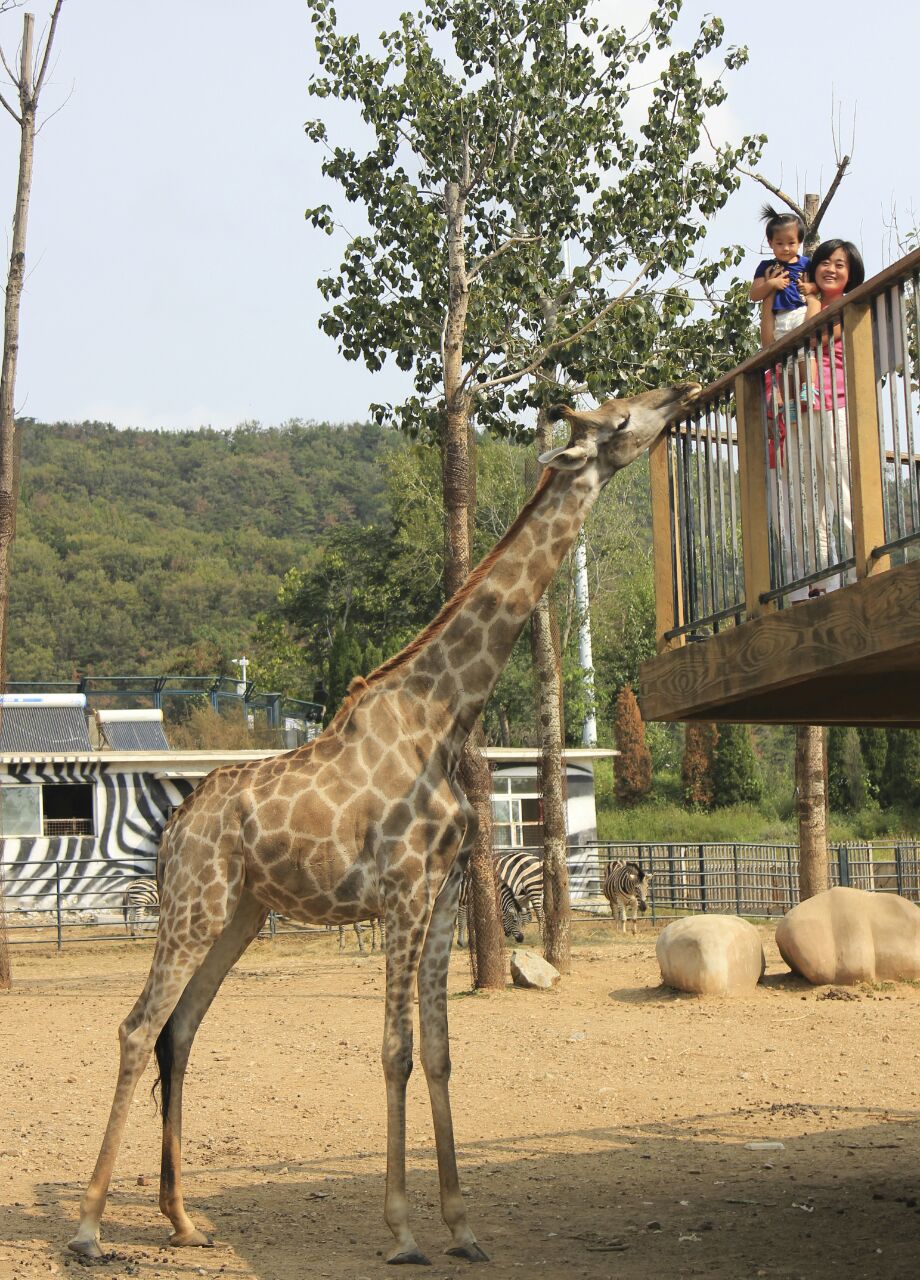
(874, 745)
(633, 766)
(846, 771)
(736, 777)
(697, 765)
(901, 780)
(345, 663)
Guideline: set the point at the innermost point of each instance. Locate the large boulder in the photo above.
(711, 955)
(528, 970)
(844, 936)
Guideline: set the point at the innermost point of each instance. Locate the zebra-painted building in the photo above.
(79, 822)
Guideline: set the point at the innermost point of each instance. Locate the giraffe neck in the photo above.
(447, 675)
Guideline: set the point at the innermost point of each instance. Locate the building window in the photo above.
(517, 813)
(67, 809)
(20, 811)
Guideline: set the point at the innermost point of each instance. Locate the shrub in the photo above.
(696, 769)
(736, 777)
(633, 766)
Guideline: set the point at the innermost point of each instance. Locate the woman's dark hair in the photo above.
(776, 220)
(824, 251)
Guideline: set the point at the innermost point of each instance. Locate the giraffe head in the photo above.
(616, 432)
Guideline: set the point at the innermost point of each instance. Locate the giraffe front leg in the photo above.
(404, 945)
(435, 1054)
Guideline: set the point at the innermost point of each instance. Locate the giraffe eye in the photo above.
(622, 425)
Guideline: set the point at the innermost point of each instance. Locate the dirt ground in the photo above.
(602, 1127)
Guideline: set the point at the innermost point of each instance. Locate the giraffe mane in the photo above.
(361, 684)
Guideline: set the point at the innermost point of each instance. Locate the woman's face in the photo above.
(831, 275)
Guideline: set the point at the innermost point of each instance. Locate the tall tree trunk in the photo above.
(14, 284)
(457, 473)
(811, 810)
(550, 730)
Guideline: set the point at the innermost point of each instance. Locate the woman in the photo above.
(836, 268)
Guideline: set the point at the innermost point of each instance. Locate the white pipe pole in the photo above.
(585, 658)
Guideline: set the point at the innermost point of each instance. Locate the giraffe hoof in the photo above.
(402, 1256)
(88, 1250)
(471, 1252)
(190, 1240)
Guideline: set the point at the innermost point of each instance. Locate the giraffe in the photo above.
(368, 818)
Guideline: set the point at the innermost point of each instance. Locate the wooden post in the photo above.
(755, 519)
(866, 496)
(666, 546)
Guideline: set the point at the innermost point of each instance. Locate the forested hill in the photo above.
(154, 550)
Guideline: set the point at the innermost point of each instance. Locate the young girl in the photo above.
(836, 268)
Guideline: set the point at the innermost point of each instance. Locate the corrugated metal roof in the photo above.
(134, 735)
(43, 728)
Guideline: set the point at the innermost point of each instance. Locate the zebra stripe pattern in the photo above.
(520, 890)
(141, 899)
(626, 886)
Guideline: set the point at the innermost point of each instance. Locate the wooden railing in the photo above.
(796, 473)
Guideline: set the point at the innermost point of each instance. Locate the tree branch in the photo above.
(48, 43)
(777, 191)
(4, 102)
(842, 167)
(503, 248)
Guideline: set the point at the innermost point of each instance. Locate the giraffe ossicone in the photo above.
(366, 820)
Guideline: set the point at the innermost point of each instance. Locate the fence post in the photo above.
(271, 924)
(702, 857)
(737, 880)
(843, 865)
(57, 905)
(898, 869)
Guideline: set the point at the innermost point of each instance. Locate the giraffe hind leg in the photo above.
(173, 1047)
(168, 976)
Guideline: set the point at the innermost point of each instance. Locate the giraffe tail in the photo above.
(164, 1056)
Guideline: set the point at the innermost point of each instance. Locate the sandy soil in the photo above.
(602, 1127)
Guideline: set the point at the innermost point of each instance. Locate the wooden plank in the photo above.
(866, 628)
(752, 468)
(870, 700)
(865, 454)
(665, 545)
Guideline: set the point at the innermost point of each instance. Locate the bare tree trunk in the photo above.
(457, 474)
(811, 810)
(550, 730)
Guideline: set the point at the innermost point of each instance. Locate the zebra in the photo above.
(141, 898)
(359, 927)
(626, 885)
(520, 889)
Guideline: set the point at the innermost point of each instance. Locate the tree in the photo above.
(736, 779)
(698, 764)
(811, 810)
(874, 745)
(500, 140)
(901, 779)
(28, 85)
(846, 770)
(633, 766)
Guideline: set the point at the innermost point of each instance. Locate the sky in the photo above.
(171, 277)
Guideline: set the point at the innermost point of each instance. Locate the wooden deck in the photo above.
(849, 657)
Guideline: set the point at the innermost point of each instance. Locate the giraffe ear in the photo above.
(567, 458)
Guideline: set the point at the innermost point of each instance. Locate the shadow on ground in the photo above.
(662, 1201)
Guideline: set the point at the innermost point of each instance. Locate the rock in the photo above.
(528, 970)
(711, 955)
(844, 936)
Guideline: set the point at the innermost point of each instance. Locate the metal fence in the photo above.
(759, 880)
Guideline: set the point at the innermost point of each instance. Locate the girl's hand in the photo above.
(777, 276)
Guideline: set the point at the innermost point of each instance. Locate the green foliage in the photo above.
(520, 119)
(848, 785)
(736, 778)
(901, 778)
(146, 551)
(345, 662)
(874, 745)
